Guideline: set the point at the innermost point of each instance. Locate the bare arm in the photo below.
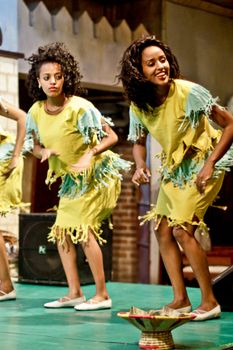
(107, 142)
(142, 173)
(17, 114)
(224, 119)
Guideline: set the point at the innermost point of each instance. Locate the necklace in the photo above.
(57, 110)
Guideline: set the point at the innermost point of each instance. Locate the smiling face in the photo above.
(51, 79)
(155, 66)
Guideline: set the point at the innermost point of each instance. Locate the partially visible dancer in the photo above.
(11, 169)
(73, 135)
(178, 114)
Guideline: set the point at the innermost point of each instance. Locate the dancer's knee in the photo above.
(181, 234)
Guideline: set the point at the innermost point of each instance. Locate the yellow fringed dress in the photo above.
(11, 187)
(85, 199)
(183, 129)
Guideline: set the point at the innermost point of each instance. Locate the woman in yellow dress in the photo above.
(73, 135)
(178, 114)
(11, 169)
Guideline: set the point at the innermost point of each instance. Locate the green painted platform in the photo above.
(26, 325)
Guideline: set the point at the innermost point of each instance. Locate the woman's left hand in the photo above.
(203, 176)
(83, 163)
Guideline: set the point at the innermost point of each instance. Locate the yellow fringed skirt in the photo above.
(75, 217)
(11, 187)
(184, 205)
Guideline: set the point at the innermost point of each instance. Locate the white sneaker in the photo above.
(8, 296)
(67, 303)
(92, 304)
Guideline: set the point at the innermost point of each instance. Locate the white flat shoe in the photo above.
(8, 296)
(67, 303)
(202, 315)
(94, 305)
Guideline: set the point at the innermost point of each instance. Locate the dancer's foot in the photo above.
(180, 305)
(7, 295)
(65, 302)
(183, 310)
(203, 315)
(96, 303)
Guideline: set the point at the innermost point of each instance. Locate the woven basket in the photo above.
(156, 340)
(155, 329)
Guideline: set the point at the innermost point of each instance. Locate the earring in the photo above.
(39, 85)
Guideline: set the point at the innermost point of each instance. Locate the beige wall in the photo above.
(9, 87)
(203, 45)
(97, 46)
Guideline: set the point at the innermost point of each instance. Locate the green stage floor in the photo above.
(26, 325)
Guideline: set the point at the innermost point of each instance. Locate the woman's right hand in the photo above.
(141, 176)
(82, 164)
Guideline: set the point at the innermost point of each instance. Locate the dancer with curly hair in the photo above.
(11, 169)
(75, 138)
(178, 114)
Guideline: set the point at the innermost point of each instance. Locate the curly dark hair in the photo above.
(54, 52)
(137, 88)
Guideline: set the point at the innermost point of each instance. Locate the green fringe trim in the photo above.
(136, 128)
(6, 151)
(189, 168)
(199, 102)
(77, 234)
(91, 124)
(185, 172)
(31, 128)
(75, 185)
(225, 163)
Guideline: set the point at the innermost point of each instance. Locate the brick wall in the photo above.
(125, 231)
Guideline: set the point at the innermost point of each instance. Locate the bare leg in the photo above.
(95, 259)
(198, 261)
(68, 257)
(5, 280)
(171, 256)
